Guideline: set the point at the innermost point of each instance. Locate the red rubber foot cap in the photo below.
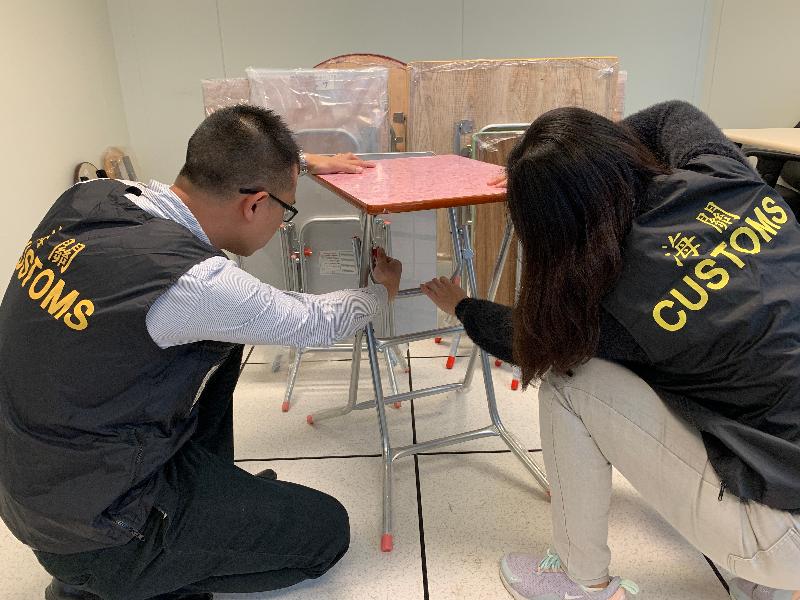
(310, 419)
(514, 384)
(397, 404)
(451, 360)
(285, 407)
(497, 362)
(386, 542)
(437, 340)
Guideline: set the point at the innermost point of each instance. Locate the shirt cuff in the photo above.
(380, 292)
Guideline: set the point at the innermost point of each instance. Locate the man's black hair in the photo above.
(241, 146)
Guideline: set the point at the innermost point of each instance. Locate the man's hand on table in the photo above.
(338, 163)
(444, 293)
(387, 271)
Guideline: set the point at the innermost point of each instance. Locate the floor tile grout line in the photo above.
(420, 520)
(323, 457)
(420, 517)
(244, 362)
(346, 456)
(459, 452)
(349, 456)
(718, 574)
(423, 557)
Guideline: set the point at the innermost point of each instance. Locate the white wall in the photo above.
(83, 75)
(659, 43)
(62, 99)
(754, 63)
(162, 60)
(60, 104)
(734, 58)
(165, 47)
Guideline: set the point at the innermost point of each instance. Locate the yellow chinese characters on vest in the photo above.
(46, 287)
(714, 273)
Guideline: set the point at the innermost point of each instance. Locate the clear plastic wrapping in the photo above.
(219, 93)
(494, 147)
(337, 110)
(398, 88)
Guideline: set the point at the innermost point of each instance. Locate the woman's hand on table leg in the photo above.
(444, 293)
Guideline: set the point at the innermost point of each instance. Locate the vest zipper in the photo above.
(203, 383)
(139, 453)
(131, 531)
(721, 491)
(139, 448)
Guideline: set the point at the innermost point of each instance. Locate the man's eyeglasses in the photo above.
(288, 208)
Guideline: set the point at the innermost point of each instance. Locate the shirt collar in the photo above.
(168, 205)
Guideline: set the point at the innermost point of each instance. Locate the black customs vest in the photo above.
(710, 290)
(90, 407)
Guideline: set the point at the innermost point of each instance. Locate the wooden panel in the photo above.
(419, 183)
(499, 91)
(618, 113)
(398, 85)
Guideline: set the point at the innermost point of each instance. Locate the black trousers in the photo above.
(215, 527)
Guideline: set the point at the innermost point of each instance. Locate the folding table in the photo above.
(778, 153)
(773, 148)
(410, 184)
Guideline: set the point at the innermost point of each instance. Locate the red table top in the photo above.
(417, 183)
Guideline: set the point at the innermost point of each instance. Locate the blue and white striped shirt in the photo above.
(216, 300)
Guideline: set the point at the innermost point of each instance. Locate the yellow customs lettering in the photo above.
(83, 310)
(764, 226)
(702, 295)
(721, 250)
(37, 264)
(46, 274)
(57, 305)
(702, 272)
(27, 261)
(778, 214)
(749, 233)
(21, 260)
(663, 323)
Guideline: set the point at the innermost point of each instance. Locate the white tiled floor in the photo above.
(474, 506)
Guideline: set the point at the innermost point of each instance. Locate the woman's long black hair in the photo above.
(574, 183)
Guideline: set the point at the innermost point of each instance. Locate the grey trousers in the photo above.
(605, 415)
